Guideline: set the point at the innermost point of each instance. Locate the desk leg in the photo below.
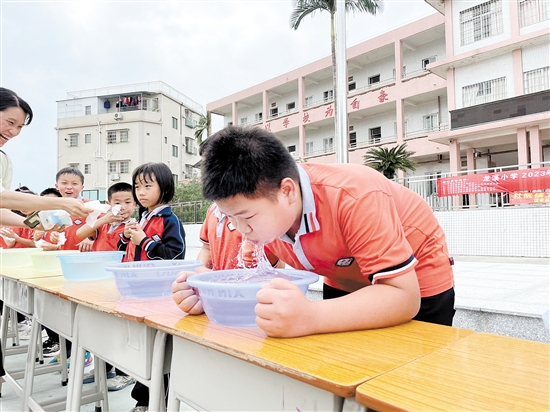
(4, 337)
(156, 391)
(28, 381)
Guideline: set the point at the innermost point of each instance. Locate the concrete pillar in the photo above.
(535, 144)
(471, 166)
(265, 104)
(518, 72)
(455, 166)
(398, 51)
(400, 120)
(523, 148)
(514, 18)
(449, 39)
(235, 113)
(302, 141)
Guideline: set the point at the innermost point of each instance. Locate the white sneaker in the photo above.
(119, 382)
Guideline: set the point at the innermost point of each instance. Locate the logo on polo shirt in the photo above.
(156, 238)
(78, 222)
(344, 262)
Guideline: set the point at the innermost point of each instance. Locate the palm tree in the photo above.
(388, 161)
(302, 8)
(203, 125)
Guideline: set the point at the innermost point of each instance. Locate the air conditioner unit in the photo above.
(118, 116)
(115, 176)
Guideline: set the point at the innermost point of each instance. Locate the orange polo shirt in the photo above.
(359, 227)
(225, 242)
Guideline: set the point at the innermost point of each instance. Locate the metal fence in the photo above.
(426, 187)
(191, 212)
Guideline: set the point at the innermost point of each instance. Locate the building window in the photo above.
(124, 136)
(291, 149)
(290, 106)
(87, 169)
(374, 79)
(111, 136)
(258, 117)
(87, 138)
(309, 148)
(351, 87)
(375, 135)
(174, 123)
(244, 120)
(353, 139)
(73, 140)
(174, 151)
(87, 110)
(481, 21)
(533, 11)
(190, 146)
(427, 61)
(431, 122)
(274, 112)
(328, 95)
(188, 174)
(536, 80)
(308, 101)
(484, 92)
(112, 167)
(73, 165)
(328, 144)
(125, 166)
(175, 177)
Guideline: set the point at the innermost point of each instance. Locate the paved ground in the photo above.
(498, 295)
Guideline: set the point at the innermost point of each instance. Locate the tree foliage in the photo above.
(389, 161)
(204, 125)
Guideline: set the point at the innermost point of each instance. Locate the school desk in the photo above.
(113, 329)
(481, 372)
(249, 371)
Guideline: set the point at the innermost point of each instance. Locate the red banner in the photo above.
(525, 180)
(529, 197)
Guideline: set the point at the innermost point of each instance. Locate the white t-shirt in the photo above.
(6, 171)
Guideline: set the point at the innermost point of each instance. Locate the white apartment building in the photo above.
(466, 88)
(107, 132)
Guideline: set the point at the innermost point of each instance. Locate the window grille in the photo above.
(484, 92)
(111, 136)
(533, 12)
(481, 21)
(536, 80)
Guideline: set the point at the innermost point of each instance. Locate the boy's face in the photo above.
(126, 201)
(69, 185)
(262, 219)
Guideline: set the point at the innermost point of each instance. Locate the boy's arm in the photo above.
(284, 311)
(205, 256)
(86, 230)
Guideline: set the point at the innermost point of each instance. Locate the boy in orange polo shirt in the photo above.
(378, 244)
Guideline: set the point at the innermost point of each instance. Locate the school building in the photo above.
(466, 88)
(107, 132)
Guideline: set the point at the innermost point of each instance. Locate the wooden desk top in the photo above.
(481, 372)
(26, 272)
(336, 362)
(52, 284)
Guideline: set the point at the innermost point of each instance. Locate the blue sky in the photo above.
(205, 49)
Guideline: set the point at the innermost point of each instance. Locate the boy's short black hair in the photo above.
(163, 176)
(50, 191)
(70, 171)
(119, 187)
(249, 161)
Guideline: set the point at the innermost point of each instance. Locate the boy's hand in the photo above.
(85, 245)
(75, 207)
(282, 310)
(108, 218)
(6, 231)
(185, 296)
(48, 247)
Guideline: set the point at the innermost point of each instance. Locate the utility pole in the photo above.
(341, 120)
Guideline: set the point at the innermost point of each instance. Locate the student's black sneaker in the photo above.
(50, 348)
